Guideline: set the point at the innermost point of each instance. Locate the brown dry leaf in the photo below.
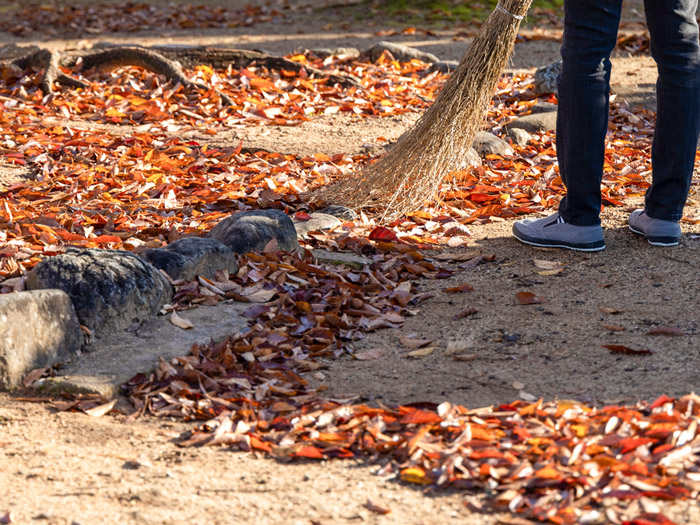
(465, 357)
(180, 322)
(467, 312)
(412, 342)
(666, 330)
(548, 267)
(375, 507)
(466, 287)
(367, 355)
(33, 376)
(101, 410)
(422, 352)
(261, 296)
(622, 349)
(613, 328)
(525, 298)
(611, 311)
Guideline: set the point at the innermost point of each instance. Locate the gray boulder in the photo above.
(543, 107)
(189, 257)
(317, 222)
(486, 143)
(520, 137)
(109, 289)
(535, 122)
(400, 52)
(546, 78)
(251, 231)
(342, 212)
(37, 329)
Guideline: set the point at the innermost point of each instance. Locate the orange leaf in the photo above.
(526, 298)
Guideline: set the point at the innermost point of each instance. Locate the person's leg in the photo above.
(674, 45)
(590, 34)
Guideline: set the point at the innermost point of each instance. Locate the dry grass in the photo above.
(411, 172)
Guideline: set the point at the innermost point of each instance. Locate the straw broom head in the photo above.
(411, 172)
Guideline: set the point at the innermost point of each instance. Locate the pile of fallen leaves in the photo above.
(120, 186)
(560, 462)
(94, 19)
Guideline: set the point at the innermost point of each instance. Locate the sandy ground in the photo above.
(63, 468)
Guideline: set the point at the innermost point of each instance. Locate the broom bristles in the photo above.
(411, 172)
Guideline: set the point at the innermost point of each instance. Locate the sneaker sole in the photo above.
(663, 242)
(591, 247)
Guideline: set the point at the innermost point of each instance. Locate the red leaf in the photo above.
(309, 452)
(302, 216)
(466, 287)
(420, 417)
(622, 349)
(381, 233)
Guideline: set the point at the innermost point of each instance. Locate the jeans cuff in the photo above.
(581, 222)
(673, 217)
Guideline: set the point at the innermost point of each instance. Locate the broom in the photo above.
(411, 172)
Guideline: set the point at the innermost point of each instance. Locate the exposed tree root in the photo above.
(164, 60)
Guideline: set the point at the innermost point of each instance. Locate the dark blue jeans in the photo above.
(590, 34)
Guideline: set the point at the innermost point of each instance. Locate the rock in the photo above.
(189, 257)
(12, 51)
(400, 52)
(535, 122)
(109, 289)
(251, 231)
(520, 137)
(317, 222)
(546, 78)
(342, 212)
(543, 107)
(489, 144)
(444, 66)
(473, 158)
(37, 329)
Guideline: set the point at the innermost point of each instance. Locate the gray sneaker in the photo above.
(657, 231)
(553, 232)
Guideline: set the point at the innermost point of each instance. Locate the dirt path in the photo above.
(63, 468)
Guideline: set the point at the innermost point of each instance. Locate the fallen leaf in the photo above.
(367, 355)
(410, 342)
(421, 352)
(381, 233)
(180, 322)
(33, 376)
(467, 312)
(611, 311)
(465, 357)
(375, 507)
(261, 296)
(525, 298)
(415, 475)
(101, 410)
(666, 330)
(466, 287)
(613, 328)
(622, 349)
(548, 267)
